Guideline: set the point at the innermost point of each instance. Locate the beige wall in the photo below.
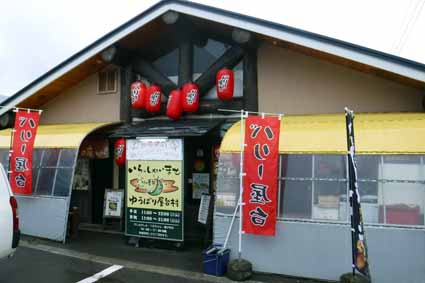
(82, 104)
(293, 83)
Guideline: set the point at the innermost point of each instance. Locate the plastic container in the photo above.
(215, 260)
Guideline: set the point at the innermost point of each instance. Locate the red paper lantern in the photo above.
(225, 82)
(153, 102)
(138, 95)
(174, 105)
(190, 97)
(119, 152)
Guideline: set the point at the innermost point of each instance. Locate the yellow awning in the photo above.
(392, 133)
(56, 136)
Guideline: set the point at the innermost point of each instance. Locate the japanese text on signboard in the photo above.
(261, 157)
(26, 124)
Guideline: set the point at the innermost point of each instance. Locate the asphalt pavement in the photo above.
(35, 266)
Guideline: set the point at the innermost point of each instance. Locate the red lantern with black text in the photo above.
(138, 95)
(119, 152)
(190, 97)
(174, 105)
(153, 102)
(225, 83)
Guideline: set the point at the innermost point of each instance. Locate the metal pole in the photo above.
(231, 224)
(241, 174)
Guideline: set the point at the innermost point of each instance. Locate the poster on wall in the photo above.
(26, 124)
(261, 159)
(82, 175)
(200, 184)
(154, 201)
(113, 204)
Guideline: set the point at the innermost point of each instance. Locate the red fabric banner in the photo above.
(26, 123)
(261, 159)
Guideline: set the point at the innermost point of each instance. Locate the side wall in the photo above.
(324, 250)
(82, 104)
(293, 83)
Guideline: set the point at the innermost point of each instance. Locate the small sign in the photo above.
(114, 200)
(203, 209)
(200, 184)
(155, 149)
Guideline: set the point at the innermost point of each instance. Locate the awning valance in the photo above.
(56, 136)
(386, 133)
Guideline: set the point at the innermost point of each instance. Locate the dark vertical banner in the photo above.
(261, 158)
(26, 123)
(359, 248)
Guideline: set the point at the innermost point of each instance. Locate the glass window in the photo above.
(327, 200)
(50, 157)
(203, 57)
(228, 183)
(168, 64)
(63, 181)
(368, 166)
(296, 196)
(330, 166)
(67, 158)
(36, 157)
(4, 158)
(45, 181)
(296, 165)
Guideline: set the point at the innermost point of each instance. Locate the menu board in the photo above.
(154, 200)
(113, 203)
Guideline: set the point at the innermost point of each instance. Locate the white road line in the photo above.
(101, 274)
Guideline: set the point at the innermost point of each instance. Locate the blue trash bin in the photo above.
(215, 260)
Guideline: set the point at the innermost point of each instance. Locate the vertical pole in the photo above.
(241, 174)
(312, 185)
(349, 124)
(384, 207)
(279, 184)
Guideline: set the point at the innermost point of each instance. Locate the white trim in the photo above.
(101, 274)
(312, 43)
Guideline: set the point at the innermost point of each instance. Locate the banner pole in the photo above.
(241, 183)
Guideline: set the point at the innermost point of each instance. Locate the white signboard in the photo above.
(203, 209)
(113, 203)
(155, 149)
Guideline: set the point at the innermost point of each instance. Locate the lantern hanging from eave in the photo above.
(190, 97)
(119, 151)
(225, 83)
(138, 95)
(153, 102)
(174, 105)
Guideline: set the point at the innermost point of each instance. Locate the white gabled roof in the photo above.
(393, 64)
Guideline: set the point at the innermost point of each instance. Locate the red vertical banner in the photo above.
(26, 123)
(261, 163)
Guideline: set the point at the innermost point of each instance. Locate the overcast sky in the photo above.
(36, 35)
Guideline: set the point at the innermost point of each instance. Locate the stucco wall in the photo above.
(293, 83)
(81, 103)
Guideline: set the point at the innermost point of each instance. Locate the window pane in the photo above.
(368, 166)
(34, 178)
(45, 181)
(296, 165)
(67, 158)
(36, 157)
(404, 203)
(228, 183)
(63, 182)
(330, 166)
(203, 57)
(296, 196)
(327, 200)
(168, 64)
(50, 157)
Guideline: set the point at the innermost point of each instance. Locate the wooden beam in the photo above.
(250, 80)
(229, 60)
(147, 70)
(185, 61)
(126, 77)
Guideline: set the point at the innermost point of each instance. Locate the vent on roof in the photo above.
(107, 81)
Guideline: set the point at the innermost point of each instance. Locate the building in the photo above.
(308, 77)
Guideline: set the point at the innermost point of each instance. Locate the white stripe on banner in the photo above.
(101, 274)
